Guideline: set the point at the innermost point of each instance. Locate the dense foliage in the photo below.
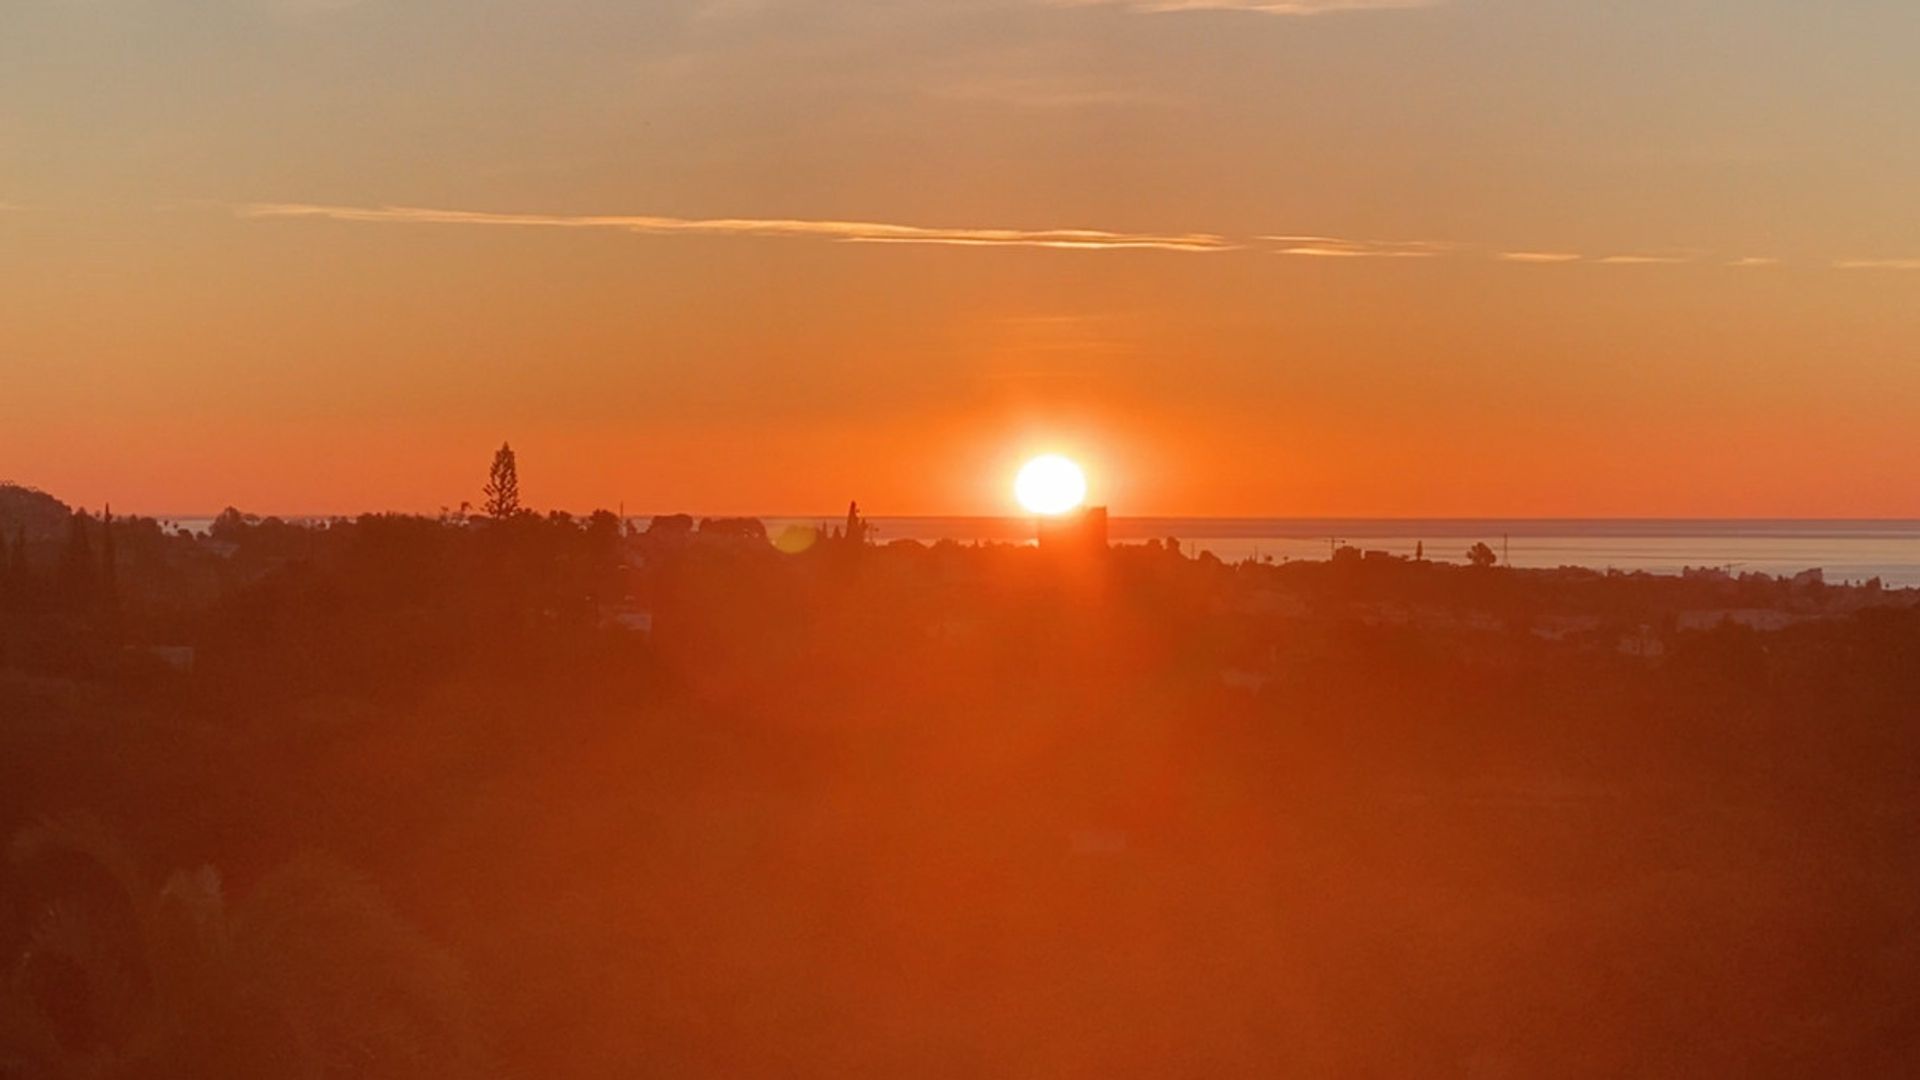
(431, 801)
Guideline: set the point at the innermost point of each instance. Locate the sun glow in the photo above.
(1050, 484)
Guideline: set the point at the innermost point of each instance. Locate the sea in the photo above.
(1846, 551)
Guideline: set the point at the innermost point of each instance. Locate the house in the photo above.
(1643, 643)
(633, 620)
(1561, 627)
(1751, 618)
(1241, 679)
(177, 658)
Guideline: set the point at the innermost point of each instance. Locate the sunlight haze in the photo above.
(1364, 258)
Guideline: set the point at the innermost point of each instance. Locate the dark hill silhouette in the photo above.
(548, 796)
(39, 515)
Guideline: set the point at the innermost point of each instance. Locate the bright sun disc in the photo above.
(1050, 484)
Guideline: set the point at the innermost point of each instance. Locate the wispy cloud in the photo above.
(1644, 260)
(863, 232)
(1334, 247)
(1304, 245)
(1877, 264)
(1539, 257)
(1262, 7)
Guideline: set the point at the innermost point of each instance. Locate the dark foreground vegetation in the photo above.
(549, 797)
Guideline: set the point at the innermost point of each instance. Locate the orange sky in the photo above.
(1478, 257)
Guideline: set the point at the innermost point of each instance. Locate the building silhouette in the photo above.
(1074, 532)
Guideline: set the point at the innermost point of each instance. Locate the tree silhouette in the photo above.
(76, 562)
(232, 525)
(1481, 555)
(109, 569)
(503, 485)
(857, 527)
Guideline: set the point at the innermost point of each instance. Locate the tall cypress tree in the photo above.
(856, 533)
(503, 485)
(109, 573)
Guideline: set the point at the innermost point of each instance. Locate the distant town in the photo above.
(90, 593)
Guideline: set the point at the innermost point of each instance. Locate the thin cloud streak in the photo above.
(1118, 244)
(1541, 257)
(868, 232)
(1877, 264)
(871, 232)
(1333, 247)
(1644, 260)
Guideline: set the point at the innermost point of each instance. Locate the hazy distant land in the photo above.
(542, 795)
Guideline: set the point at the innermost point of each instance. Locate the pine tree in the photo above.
(503, 485)
(1481, 556)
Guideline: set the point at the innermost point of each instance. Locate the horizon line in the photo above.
(1018, 516)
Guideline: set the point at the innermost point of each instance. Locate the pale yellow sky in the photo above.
(1500, 257)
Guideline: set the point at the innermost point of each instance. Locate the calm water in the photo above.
(1846, 550)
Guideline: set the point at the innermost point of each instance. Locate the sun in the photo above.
(1050, 484)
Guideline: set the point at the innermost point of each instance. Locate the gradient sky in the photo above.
(1322, 257)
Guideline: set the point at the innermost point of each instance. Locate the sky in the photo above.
(1291, 258)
